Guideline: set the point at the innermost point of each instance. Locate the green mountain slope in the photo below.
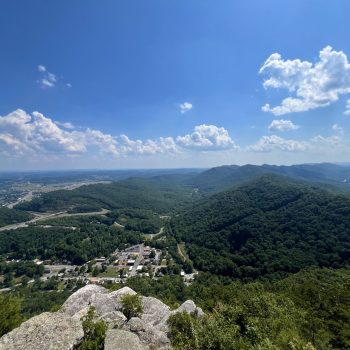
(12, 216)
(224, 177)
(158, 194)
(268, 226)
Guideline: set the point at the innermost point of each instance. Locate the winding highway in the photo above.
(44, 216)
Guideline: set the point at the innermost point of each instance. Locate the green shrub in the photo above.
(131, 305)
(94, 332)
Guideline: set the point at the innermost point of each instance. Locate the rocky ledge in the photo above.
(63, 330)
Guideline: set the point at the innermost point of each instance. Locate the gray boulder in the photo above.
(117, 339)
(190, 307)
(79, 302)
(114, 319)
(48, 331)
(149, 335)
(155, 313)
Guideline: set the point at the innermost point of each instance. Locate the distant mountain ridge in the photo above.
(224, 177)
(164, 192)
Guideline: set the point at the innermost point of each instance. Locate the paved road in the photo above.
(154, 235)
(44, 216)
(137, 261)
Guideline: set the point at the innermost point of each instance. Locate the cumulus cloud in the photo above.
(47, 80)
(161, 145)
(185, 107)
(320, 141)
(315, 144)
(208, 137)
(312, 85)
(282, 125)
(274, 142)
(66, 125)
(37, 135)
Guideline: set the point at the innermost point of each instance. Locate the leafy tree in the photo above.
(10, 316)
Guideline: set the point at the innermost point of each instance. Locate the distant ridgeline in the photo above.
(166, 192)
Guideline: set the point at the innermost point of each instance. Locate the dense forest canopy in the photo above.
(12, 216)
(59, 243)
(152, 194)
(268, 226)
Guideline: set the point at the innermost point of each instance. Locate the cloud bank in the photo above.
(28, 138)
(35, 134)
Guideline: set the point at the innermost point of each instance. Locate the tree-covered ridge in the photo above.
(270, 226)
(158, 194)
(224, 177)
(12, 216)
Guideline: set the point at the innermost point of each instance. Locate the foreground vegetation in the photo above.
(307, 310)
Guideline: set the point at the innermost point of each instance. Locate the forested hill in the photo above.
(268, 226)
(12, 216)
(158, 194)
(169, 191)
(224, 177)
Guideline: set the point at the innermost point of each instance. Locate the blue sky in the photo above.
(139, 84)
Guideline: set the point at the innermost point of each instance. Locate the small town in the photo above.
(138, 260)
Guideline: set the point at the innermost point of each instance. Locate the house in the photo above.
(101, 259)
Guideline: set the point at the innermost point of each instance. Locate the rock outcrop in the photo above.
(63, 330)
(122, 340)
(48, 331)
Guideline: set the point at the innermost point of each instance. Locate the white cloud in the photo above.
(313, 85)
(347, 108)
(274, 142)
(282, 125)
(185, 107)
(41, 68)
(36, 135)
(66, 125)
(161, 145)
(69, 85)
(320, 141)
(338, 128)
(208, 137)
(27, 139)
(47, 80)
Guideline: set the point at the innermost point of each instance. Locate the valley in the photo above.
(214, 236)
